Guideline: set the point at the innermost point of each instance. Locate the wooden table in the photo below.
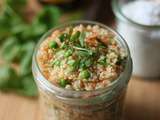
(142, 103)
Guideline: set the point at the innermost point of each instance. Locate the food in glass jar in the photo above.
(81, 58)
(82, 70)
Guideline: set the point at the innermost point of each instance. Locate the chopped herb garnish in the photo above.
(88, 63)
(120, 61)
(102, 60)
(71, 68)
(102, 45)
(63, 83)
(68, 53)
(56, 62)
(73, 65)
(82, 38)
(59, 54)
(83, 53)
(75, 36)
(90, 52)
(63, 37)
(79, 48)
(71, 62)
(84, 74)
(82, 64)
(81, 59)
(53, 44)
(63, 45)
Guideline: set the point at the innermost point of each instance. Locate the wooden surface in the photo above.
(142, 103)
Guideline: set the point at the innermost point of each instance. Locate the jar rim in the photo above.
(53, 88)
(120, 15)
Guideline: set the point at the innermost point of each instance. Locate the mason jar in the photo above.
(102, 104)
(143, 39)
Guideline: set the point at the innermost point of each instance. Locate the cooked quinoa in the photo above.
(81, 58)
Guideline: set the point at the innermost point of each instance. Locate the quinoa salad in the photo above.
(81, 58)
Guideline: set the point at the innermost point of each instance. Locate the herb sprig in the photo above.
(18, 39)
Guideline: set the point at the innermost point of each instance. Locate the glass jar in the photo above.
(102, 104)
(143, 39)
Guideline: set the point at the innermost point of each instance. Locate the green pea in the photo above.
(63, 37)
(68, 53)
(63, 82)
(75, 36)
(53, 44)
(84, 74)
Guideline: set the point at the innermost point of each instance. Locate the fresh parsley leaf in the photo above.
(81, 38)
(29, 86)
(49, 15)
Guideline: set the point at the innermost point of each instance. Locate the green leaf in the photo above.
(82, 64)
(10, 49)
(73, 65)
(88, 62)
(71, 62)
(56, 62)
(90, 52)
(31, 32)
(8, 21)
(81, 38)
(63, 46)
(82, 53)
(49, 15)
(8, 78)
(19, 29)
(18, 40)
(29, 87)
(75, 36)
(16, 5)
(25, 64)
(68, 53)
(39, 30)
(63, 37)
(4, 76)
(102, 60)
(4, 29)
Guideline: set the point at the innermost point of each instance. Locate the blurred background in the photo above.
(22, 23)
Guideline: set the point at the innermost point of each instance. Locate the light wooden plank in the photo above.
(142, 103)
